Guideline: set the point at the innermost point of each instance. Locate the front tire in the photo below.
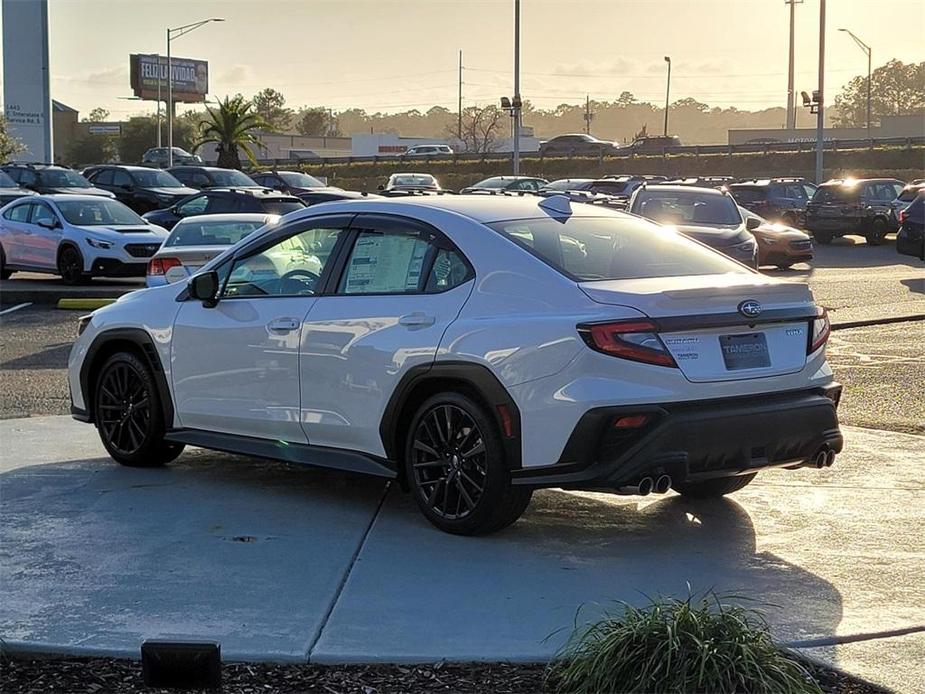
(129, 416)
(823, 237)
(877, 234)
(456, 468)
(71, 266)
(714, 488)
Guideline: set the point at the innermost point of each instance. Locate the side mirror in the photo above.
(204, 287)
(48, 223)
(751, 223)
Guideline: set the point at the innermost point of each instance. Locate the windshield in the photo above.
(687, 207)
(6, 181)
(63, 178)
(232, 179)
(281, 206)
(156, 179)
(564, 184)
(613, 248)
(836, 193)
(301, 180)
(413, 180)
(492, 183)
(97, 212)
(195, 232)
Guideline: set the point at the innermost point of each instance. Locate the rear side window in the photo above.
(19, 213)
(104, 177)
(385, 262)
(746, 196)
(613, 248)
(209, 233)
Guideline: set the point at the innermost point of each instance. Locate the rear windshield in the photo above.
(908, 194)
(281, 206)
(156, 179)
(492, 183)
(6, 181)
(301, 180)
(62, 178)
(232, 179)
(613, 248)
(198, 233)
(561, 184)
(686, 207)
(835, 193)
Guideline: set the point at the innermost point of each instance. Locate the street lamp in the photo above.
(864, 47)
(175, 34)
(516, 101)
(667, 92)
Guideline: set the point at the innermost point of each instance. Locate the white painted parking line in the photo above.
(14, 308)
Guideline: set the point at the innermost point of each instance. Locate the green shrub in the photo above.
(693, 645)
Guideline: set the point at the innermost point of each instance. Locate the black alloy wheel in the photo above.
(877, 234)
(456, 467)
(70, 265)
(5, 274)
(128, 413)
(449, 461)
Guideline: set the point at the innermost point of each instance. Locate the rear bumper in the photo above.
(781, 257)
(694, 440)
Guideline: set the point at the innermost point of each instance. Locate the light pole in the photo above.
(516, 102)
(791, 104)
(864, 47)
(820, 108)
(667, 92)
(175, 34)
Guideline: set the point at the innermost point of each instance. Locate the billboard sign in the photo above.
(104, 128)
(190, 77)
(26, 94)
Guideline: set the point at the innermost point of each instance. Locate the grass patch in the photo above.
(701, 644)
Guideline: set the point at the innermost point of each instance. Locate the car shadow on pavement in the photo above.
(50, 357)
(917, 285)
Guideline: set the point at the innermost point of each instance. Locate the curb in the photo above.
(84, 304)
(50, 297)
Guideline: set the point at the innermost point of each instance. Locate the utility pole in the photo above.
(667, 92)
(459, 115)
(516, 103)
(588, 115)
(820, 113)
(791, 104)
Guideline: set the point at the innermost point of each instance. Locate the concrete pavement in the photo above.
(286, 563)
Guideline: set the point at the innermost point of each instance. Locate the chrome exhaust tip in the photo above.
(820, 457)
(829, 458)
(644, 488)
(662, 484)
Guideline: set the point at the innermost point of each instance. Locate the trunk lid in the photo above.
(702, 324)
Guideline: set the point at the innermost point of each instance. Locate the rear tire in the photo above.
(785, 266)
(714, 488)
(823, 237)
(456, 468)
(877, 234)
(129, 416)
(71, 266)
(4, 273)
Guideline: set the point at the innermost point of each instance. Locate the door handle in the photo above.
(416, 320)
(284, 324)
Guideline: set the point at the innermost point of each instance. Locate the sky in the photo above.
(394, 55)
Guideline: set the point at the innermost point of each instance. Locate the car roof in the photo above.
(58, 197)
(202, 168)
(126, 167)
(228, 217)
(672, 188)
(480, 208)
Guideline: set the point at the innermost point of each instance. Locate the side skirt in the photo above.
(318, 456)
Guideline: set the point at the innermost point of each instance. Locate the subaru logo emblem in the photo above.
(750, 308)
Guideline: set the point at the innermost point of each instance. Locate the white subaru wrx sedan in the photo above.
(474, 348)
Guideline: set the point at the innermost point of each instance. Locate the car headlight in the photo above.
(99, 243)
(744, 247)
(164, 198)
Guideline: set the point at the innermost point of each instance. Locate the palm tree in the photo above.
(231, 127)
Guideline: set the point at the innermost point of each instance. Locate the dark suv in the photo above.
(139, 187)
(159, 156)
(9, 191)
(48, 179)
(853, 206)
(910, 240)
(224, 201)
(203, 177)
(776, 199)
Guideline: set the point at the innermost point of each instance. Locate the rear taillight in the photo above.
(634, 340)
(160, 266)
(820, 330)
(902, 216)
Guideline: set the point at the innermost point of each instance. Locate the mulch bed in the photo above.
(107, 676)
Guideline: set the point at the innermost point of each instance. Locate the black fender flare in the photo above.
(475, 377)
(102, 346)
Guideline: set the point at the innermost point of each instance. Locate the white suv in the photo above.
(76, 236)
(475, 348)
